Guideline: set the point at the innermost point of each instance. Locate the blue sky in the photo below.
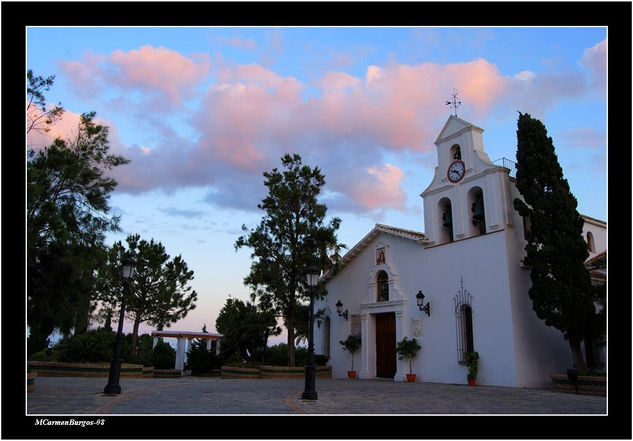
(203, 112)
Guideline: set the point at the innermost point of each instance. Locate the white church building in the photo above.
(467, 264)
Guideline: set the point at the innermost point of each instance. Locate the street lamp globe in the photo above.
(312, 274)
(128, 268)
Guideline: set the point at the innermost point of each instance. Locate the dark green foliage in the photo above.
(407, 348)
(68, 187)
(472, 362)
(91, 347)
(291, 236)
(96, 346)
(351, 344)
(245, 329)
(278, 356)
(160, 288)
(200, 360)
(39, 117)
(163, 355)
(47, 354)
(143, 353)
(556, 251)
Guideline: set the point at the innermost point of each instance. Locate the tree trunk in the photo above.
(290, 326)
(137, 322)
(291, 345)
(578, 359)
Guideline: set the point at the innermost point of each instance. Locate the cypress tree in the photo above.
(561, 290)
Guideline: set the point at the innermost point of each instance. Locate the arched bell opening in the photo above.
(477, 211)
(445, 212)
(456, 152)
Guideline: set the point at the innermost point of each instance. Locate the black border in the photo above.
(16, 16)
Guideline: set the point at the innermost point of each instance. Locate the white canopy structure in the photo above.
(184, 338)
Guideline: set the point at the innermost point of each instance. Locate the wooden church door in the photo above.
(386, 345)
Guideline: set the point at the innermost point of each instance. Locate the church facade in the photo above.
(467, 265)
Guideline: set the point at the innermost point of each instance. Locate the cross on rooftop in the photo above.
(454, 103)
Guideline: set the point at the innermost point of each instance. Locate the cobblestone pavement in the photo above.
(204, 395)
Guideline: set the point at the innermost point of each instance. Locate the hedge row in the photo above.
(273, 372)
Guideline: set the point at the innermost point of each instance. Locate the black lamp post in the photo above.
(312, 273)
(113, 386)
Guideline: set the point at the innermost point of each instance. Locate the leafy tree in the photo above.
(245, 329)
(39, 118)
(160, 290)
(291, 236)
(67, 216)
(561, 290)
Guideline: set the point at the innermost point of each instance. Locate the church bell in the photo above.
(478, 210)
(447, 218)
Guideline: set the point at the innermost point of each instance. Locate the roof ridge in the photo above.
(399, 229)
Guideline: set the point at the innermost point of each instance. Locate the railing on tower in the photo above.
(509, 164)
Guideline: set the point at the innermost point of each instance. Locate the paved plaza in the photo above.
(215, 396)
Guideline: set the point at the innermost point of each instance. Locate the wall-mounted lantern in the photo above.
(339, 308)
(420, 299)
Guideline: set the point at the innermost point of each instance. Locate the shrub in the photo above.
(45, 355)
(92, 347)
(351, 344)
(321, 359)
(163, 356)
(407, 349)
(200, 360)
(143, 350)
(278, 356)
(472, 361)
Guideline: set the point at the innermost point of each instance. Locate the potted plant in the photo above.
(351, 344)
(472, 362)
(408, 349)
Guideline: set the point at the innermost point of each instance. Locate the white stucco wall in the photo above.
(515, 346)
(599, 231)
(437, 272)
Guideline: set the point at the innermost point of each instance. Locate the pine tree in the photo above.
(201, 360)
(561, 290)
(291, 236)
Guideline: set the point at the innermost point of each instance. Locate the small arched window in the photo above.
(590, 242)
(382, 282)
(464, 323)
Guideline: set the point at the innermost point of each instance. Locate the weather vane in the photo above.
(454, 103)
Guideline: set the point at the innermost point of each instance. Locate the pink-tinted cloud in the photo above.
(594, 59)
(380, 188)
(165, 75)
(251, 115)
(63, 128)
(158, 69)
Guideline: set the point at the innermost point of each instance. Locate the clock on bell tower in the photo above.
(469, 195)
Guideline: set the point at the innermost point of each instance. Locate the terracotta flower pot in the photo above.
(351, 374)
(472, 381)
(410, 378)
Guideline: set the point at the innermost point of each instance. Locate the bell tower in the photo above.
(469, 195)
